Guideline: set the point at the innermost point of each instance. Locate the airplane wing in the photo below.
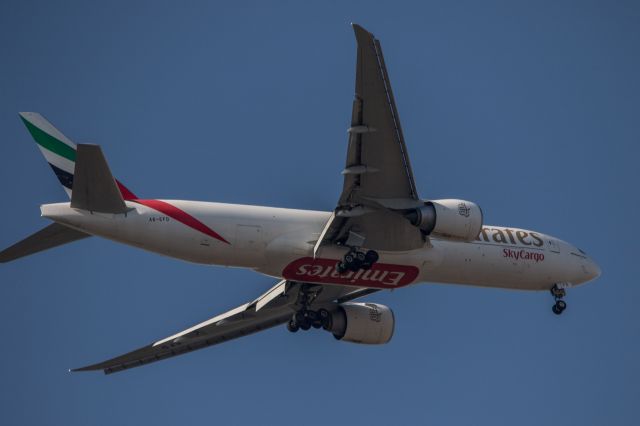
(273, 308)
(378, 180)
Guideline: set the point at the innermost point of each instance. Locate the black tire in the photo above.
(292, 326)
(325, 319)
(348, 258)
(355, 265)
(562, 305)
(316, 324)
(360, 256)
(556, 310)
(300, 317)
(305, 325)
(372, 256)
(341, 267)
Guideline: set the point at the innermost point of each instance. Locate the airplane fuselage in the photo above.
(279, 242)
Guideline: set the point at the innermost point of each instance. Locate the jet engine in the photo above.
(453, 219)
(368, 323)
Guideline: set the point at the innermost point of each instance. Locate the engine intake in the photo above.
(453, 219)
(367, 323)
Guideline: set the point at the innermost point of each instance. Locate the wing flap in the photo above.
(276, 291)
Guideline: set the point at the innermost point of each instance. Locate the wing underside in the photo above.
(378, 179)
(275, 307)
(377, 165)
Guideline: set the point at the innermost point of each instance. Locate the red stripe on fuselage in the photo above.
(181, 216)
(126, 194)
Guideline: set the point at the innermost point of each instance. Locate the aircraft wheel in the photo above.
(305, 325)
(325, 318)
(559, 307)
(355, 266)
(292, 326)
(341, 267)
(372, 256)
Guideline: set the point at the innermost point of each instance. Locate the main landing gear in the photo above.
(560, 305)
(356, 259)
(305, 319)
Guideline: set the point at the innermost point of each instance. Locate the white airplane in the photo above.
(381, 235)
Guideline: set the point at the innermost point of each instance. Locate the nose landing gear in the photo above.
(355, 260)
(560, 305)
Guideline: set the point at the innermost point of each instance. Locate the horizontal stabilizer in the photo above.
(94, 188)
(52, 236)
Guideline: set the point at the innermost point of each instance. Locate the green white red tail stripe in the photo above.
(57, 149)
(60, 153)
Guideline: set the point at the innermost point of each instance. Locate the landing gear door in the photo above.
(553, 246)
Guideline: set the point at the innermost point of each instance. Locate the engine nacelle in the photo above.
(454, 219)
(368, 323)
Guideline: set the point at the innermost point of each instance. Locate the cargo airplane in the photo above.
(381, 235)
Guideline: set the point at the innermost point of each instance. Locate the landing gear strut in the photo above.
(355, 260)
(560, 305)
(305, 318)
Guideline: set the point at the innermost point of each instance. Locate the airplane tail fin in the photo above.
(52, 236)
(59, 151)
(95, 188)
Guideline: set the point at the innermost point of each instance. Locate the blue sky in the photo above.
(529, 109)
